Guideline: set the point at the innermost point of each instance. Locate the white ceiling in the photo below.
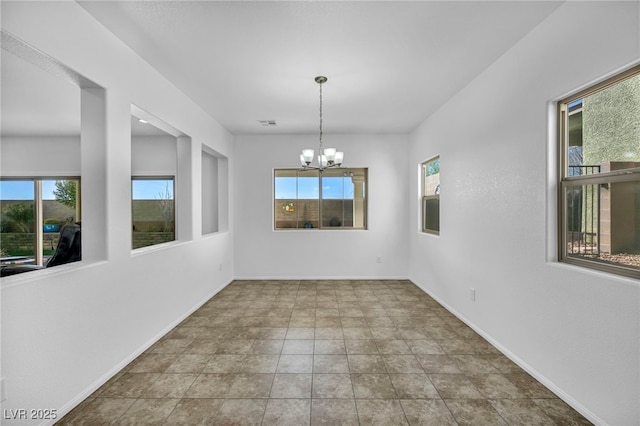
(390, 64)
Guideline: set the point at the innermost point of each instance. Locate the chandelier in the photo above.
(328, 158)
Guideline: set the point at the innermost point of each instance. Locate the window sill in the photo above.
(46, 273)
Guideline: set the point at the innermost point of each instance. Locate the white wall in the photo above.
(66, 330)
(261, 252)
(576, 330)
(46, 156)
(154, 155)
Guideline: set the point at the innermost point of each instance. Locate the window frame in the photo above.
(173, 180)
(320, 199)
(425, 198)
(565, 181)
(38, 202)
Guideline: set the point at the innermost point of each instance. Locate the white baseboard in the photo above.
(323, 278)
(521, 363)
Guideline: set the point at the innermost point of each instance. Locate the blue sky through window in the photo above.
(23, 189)
(307, 188)
(16, 190)
(151, 189)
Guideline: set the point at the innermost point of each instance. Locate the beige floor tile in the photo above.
(291, 385)
(259, 364)
(152, 363)
(376, 386)
(100, 411)
(170, 386)
(561, 412)
(333, 386)
(330, 364)
(235, 346)
(413, 386)
(210, 386)
(495, 386)
(250, 386)
(300, 333)
(441, 364)
(358, 333)
(424, 346)
(530, 387)
(334, 412)
(386, 412)
(130, 385)
(329, 333)
(454, 386)
(203, 346)
(272, 333)
(240, 412)
(402, 364)
(189, 363)
(366, 364)
(224, 363)
(266, 347)
(396, 347)
(328, 322)
(521, 412)
(427, 412)
(361, 347)
(287, 412)
(473, 364)
(295, 364)
(474, 412)
(298, 347)
(329, 347)
(147, 412)
(194, 412)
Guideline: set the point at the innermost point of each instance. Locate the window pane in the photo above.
(60, 205)
(153, 210)
(431, 196)
(603, 223)
(297, 202)
(307, 210)
(17, 242)
(343, 198)
(603, 132)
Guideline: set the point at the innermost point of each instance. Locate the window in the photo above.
(599, 215)
(160, 181)
(308, 199)
(430, 172)
(153, 211)
(32, 212)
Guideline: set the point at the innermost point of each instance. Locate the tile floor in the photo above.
(322, 352)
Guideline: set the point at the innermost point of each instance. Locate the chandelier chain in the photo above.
(320, 118)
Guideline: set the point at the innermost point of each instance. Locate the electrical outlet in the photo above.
(220, 267)
(472, 294)
(379, 259)
(3, 391)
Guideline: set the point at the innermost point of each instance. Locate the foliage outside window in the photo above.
(430, 171)
(599, 215)
(308, 199)
(153, 211)
(30, 223)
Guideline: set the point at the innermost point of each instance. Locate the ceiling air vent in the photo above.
(267, 123)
